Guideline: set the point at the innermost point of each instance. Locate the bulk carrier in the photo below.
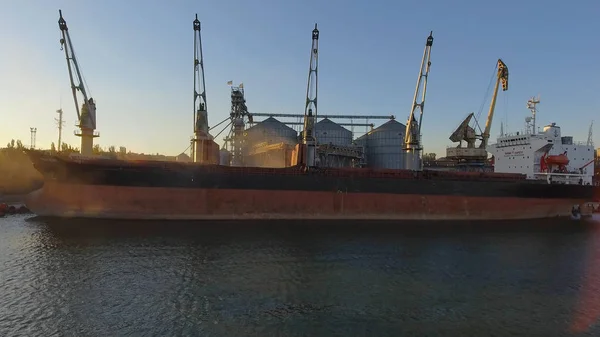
(209, 189)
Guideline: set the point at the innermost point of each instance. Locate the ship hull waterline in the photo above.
(70, 200)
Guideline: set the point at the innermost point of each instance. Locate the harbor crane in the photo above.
(86, 116)
(202, 140)
(472, 155)
(412, 138)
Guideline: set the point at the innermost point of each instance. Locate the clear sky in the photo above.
(136, 57)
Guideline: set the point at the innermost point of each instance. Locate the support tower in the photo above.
(86, 116)
(33, 132)
(238, 115)
(412, 141)
(202, 139)
(310, 111)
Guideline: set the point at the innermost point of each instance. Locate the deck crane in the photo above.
(412, 138)
(86, 116)
(310, 109)
(202, 139)
(473, 155)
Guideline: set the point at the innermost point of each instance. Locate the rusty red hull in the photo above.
(126, 202)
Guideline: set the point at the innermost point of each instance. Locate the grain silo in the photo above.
(270, 131)
(329, 132)
(335, 147)
(383, 145)
(270, 143)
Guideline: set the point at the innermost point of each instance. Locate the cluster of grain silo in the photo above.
(269, 143)
(383, 145)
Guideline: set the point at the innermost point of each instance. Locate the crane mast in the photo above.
(201, 131)
(412, 139)
(310, 109)
(86, 116)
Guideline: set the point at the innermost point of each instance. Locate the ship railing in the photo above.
(515, 133)
(570, 178)
(511, 142)
(568, 174)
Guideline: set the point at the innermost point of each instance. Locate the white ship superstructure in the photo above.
(544, 154)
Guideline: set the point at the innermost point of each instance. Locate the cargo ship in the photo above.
(105, 188)
(205, 189)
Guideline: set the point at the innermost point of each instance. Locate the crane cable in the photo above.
(506, 100)
(486, 96)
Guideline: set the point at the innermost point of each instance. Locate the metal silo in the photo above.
(383, 145)
(328, 132)
(270, 143)
(270, 131)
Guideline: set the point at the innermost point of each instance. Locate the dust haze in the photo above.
(17, 174)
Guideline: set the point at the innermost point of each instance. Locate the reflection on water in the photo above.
(99, 278)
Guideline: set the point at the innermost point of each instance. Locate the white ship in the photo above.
(545, 154)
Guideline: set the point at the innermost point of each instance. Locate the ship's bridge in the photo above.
(552, 131)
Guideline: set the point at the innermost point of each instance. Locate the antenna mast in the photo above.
(532, 105)
(412, 139)
(310, 110)
(60, 123)
(590, 140)
(201, 139)
(33, 131)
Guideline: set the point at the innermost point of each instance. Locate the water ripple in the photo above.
(86, 278)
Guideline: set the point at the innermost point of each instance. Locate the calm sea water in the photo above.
(96, 278)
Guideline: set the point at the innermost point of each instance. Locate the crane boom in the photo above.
(502, 77)
(86, 116)
(202, 138)
(310, 109)
(200, 108)
(412, 137)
